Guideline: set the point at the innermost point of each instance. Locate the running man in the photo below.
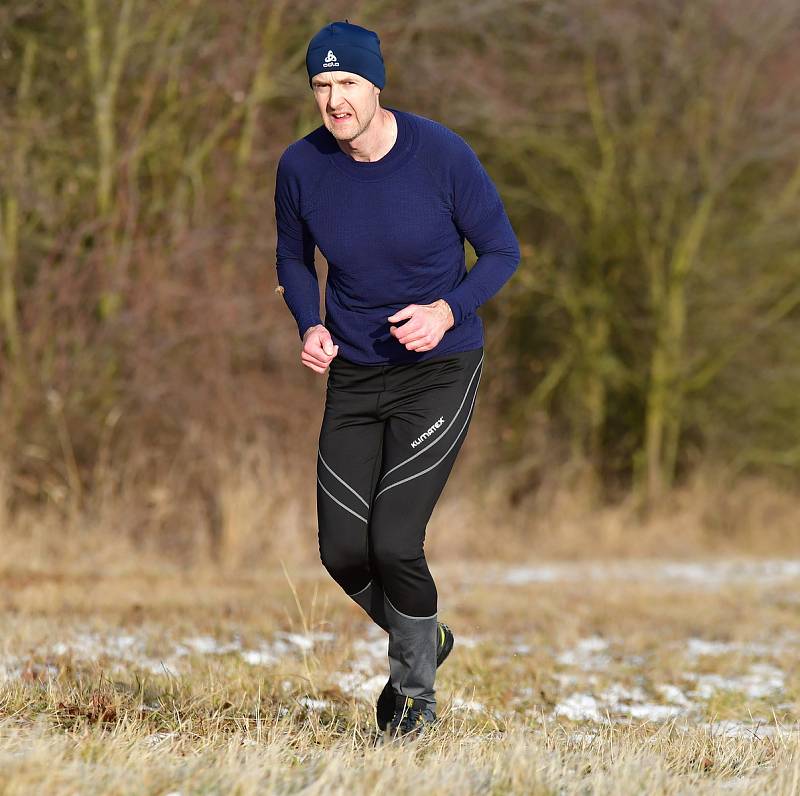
(388, 197)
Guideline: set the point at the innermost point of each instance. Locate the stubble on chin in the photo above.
(348, 136)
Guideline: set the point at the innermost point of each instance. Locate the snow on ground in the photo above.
(366, 670)
(616, 700)
(697, 647)
(579, 707)
(588, 653)
(314, 704)
(579, 669)
(671, 693)
(711, 574)
(471, 705)
(761, 681)
(757, 728)
(125, 651)
(589, 657)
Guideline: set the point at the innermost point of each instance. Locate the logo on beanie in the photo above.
(330, 60)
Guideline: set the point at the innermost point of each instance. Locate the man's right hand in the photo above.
(318, 348)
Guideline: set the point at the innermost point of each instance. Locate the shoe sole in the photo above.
(449, 639)
(447, 647)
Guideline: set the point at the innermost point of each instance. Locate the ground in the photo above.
(624, 676)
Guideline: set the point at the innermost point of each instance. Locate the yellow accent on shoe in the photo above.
(441, 633)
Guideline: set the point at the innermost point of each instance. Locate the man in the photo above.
(388, 197)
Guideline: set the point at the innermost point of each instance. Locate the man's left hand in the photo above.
(426, 327)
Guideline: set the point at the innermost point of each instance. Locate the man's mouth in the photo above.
(340, 117)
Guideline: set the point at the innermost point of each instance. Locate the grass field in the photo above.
(624, 676)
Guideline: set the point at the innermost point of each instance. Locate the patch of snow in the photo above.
(698, 646)
(156, 738)
(763, 680)
(567, 678)
(579, 707)
(377, 648)
(617, 692)
(652, 711)
(618, 700)
(153, 666)
(760, 728)
(91, 646)
(127, 649)
(206, 645)
(9, 671)
(673, 694)
(314, 704)
(360, 680)
(705, 574)
(457, 703)
(740, 783)
(355, 684)
(589, 653)
(581, 736)
(259, 657)
(283, 645)
(515, 576)
(304, 642)
(634, 702)
(721, 571)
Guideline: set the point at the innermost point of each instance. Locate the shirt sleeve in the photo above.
(480, 217)
(296, 270)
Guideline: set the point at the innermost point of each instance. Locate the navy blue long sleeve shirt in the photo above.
(392, 232)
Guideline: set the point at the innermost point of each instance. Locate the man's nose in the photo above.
(334, 99)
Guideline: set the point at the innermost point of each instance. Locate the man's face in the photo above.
(349, 94)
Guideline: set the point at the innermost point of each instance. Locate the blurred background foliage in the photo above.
(648, 153)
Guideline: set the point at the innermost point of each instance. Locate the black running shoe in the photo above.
(411, 718)
(384, 709)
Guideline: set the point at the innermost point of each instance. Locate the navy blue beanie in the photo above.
(349, 48)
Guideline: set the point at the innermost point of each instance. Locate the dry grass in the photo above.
(596, 652)
(130, 675)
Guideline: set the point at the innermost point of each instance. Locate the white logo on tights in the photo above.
(425, 434)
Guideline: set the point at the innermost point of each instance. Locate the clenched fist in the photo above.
(318, 348)
(427, 326)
